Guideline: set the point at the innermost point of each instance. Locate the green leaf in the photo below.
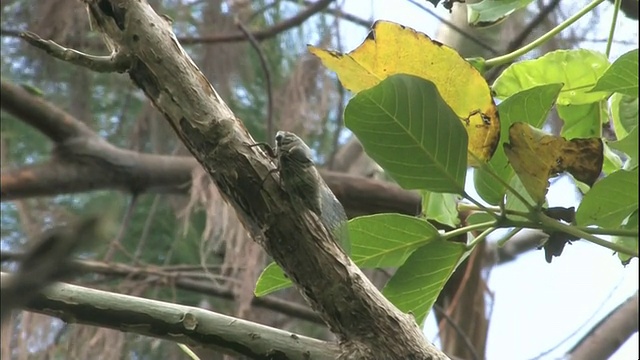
(513, 203)
(272, 279)
(621, 76)
(441, 207)
(382, 240)
(628, 145)
(479, 218)
(610, 200)
(628, 241)
(406, 127)
(416, 285)
(582, 121)
(386, 240)
(490, 12)
(624, 112)
(612, 161)
(578, 70)
(531, 106)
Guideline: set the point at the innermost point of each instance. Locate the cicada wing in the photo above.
(334, 218)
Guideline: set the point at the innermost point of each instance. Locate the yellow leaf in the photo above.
(537, 156)
(391, 49)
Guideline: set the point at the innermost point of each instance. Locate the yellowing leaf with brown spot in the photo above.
(391, 49)
(536, 156)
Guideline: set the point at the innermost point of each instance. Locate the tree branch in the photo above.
(50, 120)
(115, 168)
(183, 324)
(610, 333)
(368, 326)
(181, 280)
(260, 34)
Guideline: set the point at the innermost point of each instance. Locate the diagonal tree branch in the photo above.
(610, 333)
(184, 324)
(367, 325)
(53, 122)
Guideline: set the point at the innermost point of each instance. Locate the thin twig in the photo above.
(116, 242)
(463, 335)
(117, 62)
(146, 229)
(267, 74)
(581, 326)
(455, 28)
(261, 34)
(517, 42)
(337, 12)
(340, 111)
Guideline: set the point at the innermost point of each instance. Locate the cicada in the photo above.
(300, 179)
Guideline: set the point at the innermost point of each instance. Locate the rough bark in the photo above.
(367, 325)
(184, 324)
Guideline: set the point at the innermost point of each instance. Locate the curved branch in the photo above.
(184, 324)
(261, 34)
(47, 118)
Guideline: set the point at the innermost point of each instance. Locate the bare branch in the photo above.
(182, 279)
(261, 34)
(610, 333)
(184, 324)
(368, 326)
(117, 62)
(47, 261)
(50, 120)
(267, 76)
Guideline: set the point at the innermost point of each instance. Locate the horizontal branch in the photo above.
(261, 34)
(181, 280)
(183, 324)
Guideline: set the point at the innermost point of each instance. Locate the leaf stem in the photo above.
(612, 30)
(480, 205)
(544, 38)
(466, 229)
(508, 237)
(533, 225)
(612, 232)
(485, 167)
(550, 223)
(480, 237)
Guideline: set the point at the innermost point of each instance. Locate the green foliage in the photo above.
(628, 241)
(440, 207)
(416, 285)
(624, 113)
(408, 129)
(490, 12)
(377, 241)
(628, 145)
(621, 76)
(610, 201)
(578, 70)
(532, 106)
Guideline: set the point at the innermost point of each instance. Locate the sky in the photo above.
(537, 306)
